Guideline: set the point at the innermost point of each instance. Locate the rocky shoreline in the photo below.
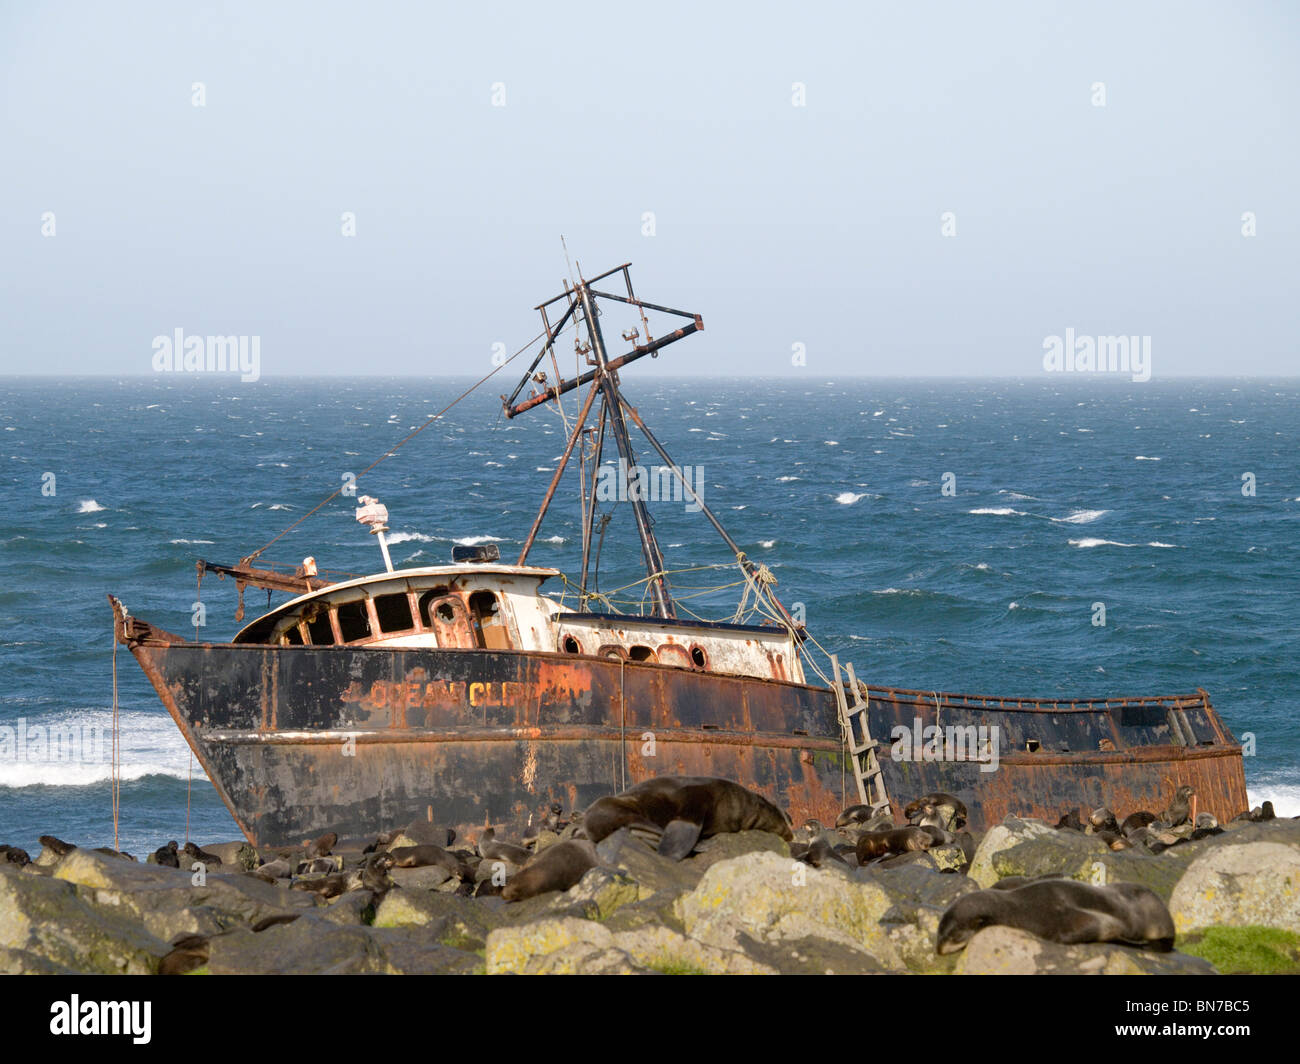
(740, 903)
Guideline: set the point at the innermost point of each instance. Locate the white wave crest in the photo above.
(1089, 542)
(1000, 511)
(847, 498)
(474, 541)
(407, 537)
(89, 506)
(1081, 517)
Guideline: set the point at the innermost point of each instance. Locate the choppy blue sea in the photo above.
(1066, 493)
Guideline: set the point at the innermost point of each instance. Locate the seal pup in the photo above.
(491, 850)
(1070, 821)
(685, 809)
(1141, 819)
(13, 855)
(322, 846)
(821, 853)
(427, 855)
(1064, 911)
(946, 804)
(1100, 820)
(558, 867)
(188, 952)
(1180, 809)
(167, 855)
(373, 874)
(209, 859)
(56, 846)
(874, 844)
(854, 814)
(280, 868)
(320, 865)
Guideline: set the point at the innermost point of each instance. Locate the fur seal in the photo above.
(873, 844)
(321, 847)
(13, 855)
(1070, 821)
(1064, 911)
(854, 814)
(558, 867)
(685, 809)
(1141, 819)
(188, 953)
(428, 854)
(209, 859)
(1180, 809)
(56, 846)
(821, 853)
(492, 850)
(944, 804)
(1100, 820)
(167, 856)
(280, 868)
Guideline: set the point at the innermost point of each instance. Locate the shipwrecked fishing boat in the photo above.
(476, 692)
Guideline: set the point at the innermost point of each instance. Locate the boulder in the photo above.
(601, 892)
(1009, 951)
(1240, 883)
(166, 901)
(450, 919)
(1013, 832)
(45, 922)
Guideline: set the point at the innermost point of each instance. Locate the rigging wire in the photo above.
(400, 443)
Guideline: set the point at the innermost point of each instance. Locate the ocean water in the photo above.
(1064, 493)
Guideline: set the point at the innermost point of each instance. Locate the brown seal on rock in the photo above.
(854, 814)
(1180, 809)
(13, 855)
(558, 867)
(683, 810)
(321, 847)
(1140, 819)
(945, 805)
(56, 846)
(428, 855)
(197, 854)
(873, 844)
(490, 849)
(1064, 911)
(1070, 821)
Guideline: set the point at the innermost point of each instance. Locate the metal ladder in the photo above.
(857, 737)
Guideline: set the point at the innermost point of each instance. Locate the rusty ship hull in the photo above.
(356, 740)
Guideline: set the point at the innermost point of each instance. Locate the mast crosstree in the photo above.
(602, 381)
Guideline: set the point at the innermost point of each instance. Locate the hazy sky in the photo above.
(781, 224)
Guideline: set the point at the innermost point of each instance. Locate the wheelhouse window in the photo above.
(427, 600)
(292, 636)
(319, 628)
(394, 613)
(354, 621)
(489, 626)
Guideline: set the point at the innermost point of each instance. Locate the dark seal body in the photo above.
(1064, 911)
(686, 809)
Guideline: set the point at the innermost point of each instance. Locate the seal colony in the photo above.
(676, 821)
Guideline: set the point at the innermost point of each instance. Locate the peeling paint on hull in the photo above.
(300, 740)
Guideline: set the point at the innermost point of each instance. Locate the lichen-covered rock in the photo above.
(652, 873)
(1236, 884)
(430, 877)
(234, 856)
(521, 949)
(450, 919)
(46, 918)
(1012, 832)
(581, 958)
(772, 898)
(1009, 951)
(603, 891)
(168, 902)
